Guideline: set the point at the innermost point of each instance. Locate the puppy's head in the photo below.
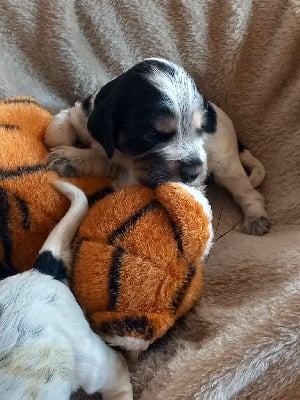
(154, 115)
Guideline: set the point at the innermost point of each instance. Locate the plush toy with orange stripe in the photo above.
(138, 254)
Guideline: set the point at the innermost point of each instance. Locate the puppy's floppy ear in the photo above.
(101, 127)
(101, 124)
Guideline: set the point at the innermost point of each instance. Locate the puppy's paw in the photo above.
(256, 226)
(61, 160)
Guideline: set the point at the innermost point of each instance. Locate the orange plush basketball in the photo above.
(137, 255)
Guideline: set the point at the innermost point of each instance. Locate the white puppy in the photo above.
(47, 348)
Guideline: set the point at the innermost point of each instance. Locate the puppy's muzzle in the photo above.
(190, 170)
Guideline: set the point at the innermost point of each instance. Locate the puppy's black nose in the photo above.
(189, 170)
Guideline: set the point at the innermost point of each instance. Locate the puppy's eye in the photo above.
(199, 131)
(151, 135)
(159, 136)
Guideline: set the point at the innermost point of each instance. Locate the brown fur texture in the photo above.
(244, 56)
(136, 267)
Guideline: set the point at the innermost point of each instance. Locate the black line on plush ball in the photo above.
(20, 171)
(99, 195)
(5, 233)
(122, 327)
(129, 223)
(23, 207)
(22, 101)
(114, 278)
(182, 291)
(9, 127)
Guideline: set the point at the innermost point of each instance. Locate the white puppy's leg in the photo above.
(255, 167)
(102, 369)
(117, 385)
(60, 131)
(225, 164)
(66, 129)
(232, 176)
(73, 161)
(60, 137)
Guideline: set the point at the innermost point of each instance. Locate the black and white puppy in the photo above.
(151, 125)
(47, 348)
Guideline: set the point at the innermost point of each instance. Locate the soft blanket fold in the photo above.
(242, 340)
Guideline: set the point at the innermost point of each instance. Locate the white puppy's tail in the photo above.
(57, 245)
(253, 166)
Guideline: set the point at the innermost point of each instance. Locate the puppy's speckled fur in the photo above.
(153, 123)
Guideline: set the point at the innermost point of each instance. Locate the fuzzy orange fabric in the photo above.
(29, 205)
(154, 276)
(137, 254)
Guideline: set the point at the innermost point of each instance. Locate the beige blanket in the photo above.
(242, 340)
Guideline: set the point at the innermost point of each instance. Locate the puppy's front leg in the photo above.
(73, 161)
(65, 130)
(61, 131)
(102, 369)
(230, 174)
